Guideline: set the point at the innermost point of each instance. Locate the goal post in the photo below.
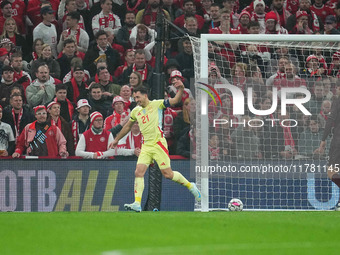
(305, 185)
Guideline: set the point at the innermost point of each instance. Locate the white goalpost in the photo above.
(270, 161)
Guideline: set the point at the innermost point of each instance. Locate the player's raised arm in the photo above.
(180, 88)
(126, 129)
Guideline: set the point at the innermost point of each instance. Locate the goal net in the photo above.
(262, 102)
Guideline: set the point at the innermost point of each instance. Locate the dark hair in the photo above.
(42, 64)
(101, 69)
(4, 3)
(102, 1)
(99, 33)
(215, 5)
(7, 68)
(96, 86)
(186, 16)
(187, 1)
(68, 41)
(35, 42)
(60, 86)
(74, 15)
(253, 23)
(143, 90)
(16, 54)
(130, 12)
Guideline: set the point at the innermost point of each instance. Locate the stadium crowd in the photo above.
(69, 67)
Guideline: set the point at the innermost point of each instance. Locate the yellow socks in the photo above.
(139, 188)
(179, 178)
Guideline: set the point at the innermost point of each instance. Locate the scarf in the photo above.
(258, 17)
(116, 119)
(96, 131)
(70, 107)
(34, 55)
(323, 115)
(134, 141)
(75, 89)
(333, 70)
(17, 124)
(143, 72)
(106, 20)
(58, 123)
(214, 153)
(75, 33)
(96, 79)
(134, 8)
(281, 18)
(75, 133)
(315, 22)
(38, 147)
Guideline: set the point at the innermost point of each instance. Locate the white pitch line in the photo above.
(196, 249)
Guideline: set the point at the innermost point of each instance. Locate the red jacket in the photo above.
(55, 141)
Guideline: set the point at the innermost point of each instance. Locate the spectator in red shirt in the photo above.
(189, 9)
(129, 60)
(16, 62)
(34, 7)
(281, 12)
(313, 20)
(259, 14)
(148, 15)
(41, 138)
(244, 21)
(10, 31)
(321, 10)
(301, 26)
(7, 12)
(94, 143)
(273, 25)
(118, 104)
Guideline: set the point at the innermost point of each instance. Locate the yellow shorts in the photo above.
(155, 151)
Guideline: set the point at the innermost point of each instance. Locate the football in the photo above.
(235, 205)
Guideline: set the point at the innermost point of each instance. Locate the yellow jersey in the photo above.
(150, 120)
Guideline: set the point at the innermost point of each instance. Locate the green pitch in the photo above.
(170, 233)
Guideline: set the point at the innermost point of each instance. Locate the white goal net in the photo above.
(262, 103)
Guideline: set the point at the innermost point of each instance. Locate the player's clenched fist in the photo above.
(178, 84)
(113, 144)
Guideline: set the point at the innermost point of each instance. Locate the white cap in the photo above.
(83, 102)
(117, 99)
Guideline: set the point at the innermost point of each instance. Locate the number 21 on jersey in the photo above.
(145, 119)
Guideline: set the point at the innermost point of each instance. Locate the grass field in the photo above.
(170, 233)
